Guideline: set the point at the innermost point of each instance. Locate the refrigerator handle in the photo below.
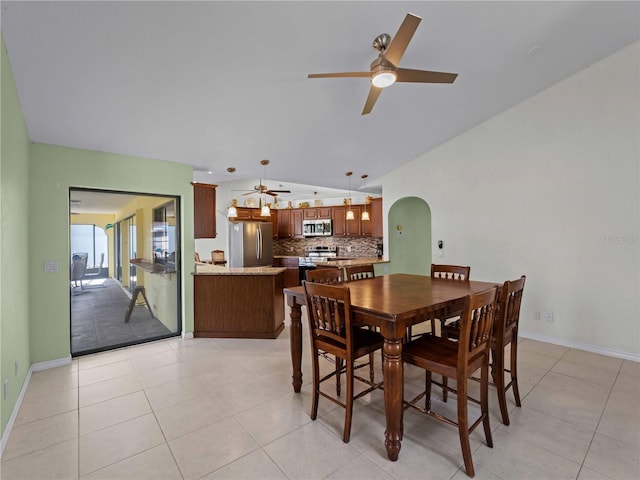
(259, 243)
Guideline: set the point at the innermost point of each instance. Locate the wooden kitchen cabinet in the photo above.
(204, 208)
(339, 221)
(321, 213)
(284, 223)
(376, 217)
(353, 228)
(292, 273)
(290, 222)
(296, 222)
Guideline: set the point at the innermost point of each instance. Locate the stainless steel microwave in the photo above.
(316, 228)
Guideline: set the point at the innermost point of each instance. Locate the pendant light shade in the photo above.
(365, 214)
(265, 211)
(350, 215)
(232, 212)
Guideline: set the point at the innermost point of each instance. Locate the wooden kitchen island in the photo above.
(238, 302)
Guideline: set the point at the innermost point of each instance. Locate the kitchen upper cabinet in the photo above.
(243, 213)
(317, 213)
(290, 222)
(284, 223)
(204, 208)
(296, 222)
(376, 217)
(373, 227)
(339, 221)
(354, 226)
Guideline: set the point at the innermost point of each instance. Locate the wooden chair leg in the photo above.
(445, 392)
(463, 424)
(316, 385)
(346, 435)
(484, 403)
(427, 389)
(372, 375)
(497, 371)
(514, 371)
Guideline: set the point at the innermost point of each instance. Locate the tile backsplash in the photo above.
(360, 247)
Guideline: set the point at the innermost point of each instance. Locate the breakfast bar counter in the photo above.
(238, 302)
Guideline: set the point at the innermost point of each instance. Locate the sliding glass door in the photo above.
(137, 235)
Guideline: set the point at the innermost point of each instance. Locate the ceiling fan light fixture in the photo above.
(383, 79)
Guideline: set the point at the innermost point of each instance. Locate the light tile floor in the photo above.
(225, 409)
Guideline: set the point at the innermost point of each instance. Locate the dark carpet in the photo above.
(97, 319)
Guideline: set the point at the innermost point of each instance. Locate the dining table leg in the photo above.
(295, 337)
(393, 395)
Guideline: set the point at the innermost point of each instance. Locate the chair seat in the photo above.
(436, 354)
(364, 342)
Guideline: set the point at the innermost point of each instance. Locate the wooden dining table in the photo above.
(392, 303)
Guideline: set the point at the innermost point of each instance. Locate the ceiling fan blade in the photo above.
(343, 74)
(270, 192)
(424, 76)
(280, 191)
(399, 44)
(250, 193)
(374, 93)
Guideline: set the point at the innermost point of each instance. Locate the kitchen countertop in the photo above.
(353, 262)
(206, 269)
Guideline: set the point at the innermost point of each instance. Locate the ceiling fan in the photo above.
(262, 189)
(384, 70)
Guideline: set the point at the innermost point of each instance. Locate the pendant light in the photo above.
(232, 212)
(365, 214)
(265, 211)
(350, 215)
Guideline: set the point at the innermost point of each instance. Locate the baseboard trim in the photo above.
(58, 362)
(610, 352)
(187, 335)
(36, 367)
(14, 413)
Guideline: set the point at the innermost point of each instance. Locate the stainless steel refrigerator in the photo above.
(250, 244)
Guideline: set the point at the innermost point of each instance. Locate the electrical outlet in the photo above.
(548, 317)
(5, 388)
(349, 249)
(536, 315)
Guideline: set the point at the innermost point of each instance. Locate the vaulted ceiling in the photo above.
(220, 84)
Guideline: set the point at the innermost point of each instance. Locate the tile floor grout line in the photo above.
(595, 430)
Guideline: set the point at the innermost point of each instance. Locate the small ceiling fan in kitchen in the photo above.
(384, 70)
(262, 189)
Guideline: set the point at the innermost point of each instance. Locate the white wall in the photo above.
(550, 189)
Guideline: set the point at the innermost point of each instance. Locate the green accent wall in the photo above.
(14, 255)
(34, 228)
(410, 236)
(53, 170)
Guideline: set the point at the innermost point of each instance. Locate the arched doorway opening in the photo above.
(410, 236)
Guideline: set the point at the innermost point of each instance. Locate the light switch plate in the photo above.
(51, 267)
